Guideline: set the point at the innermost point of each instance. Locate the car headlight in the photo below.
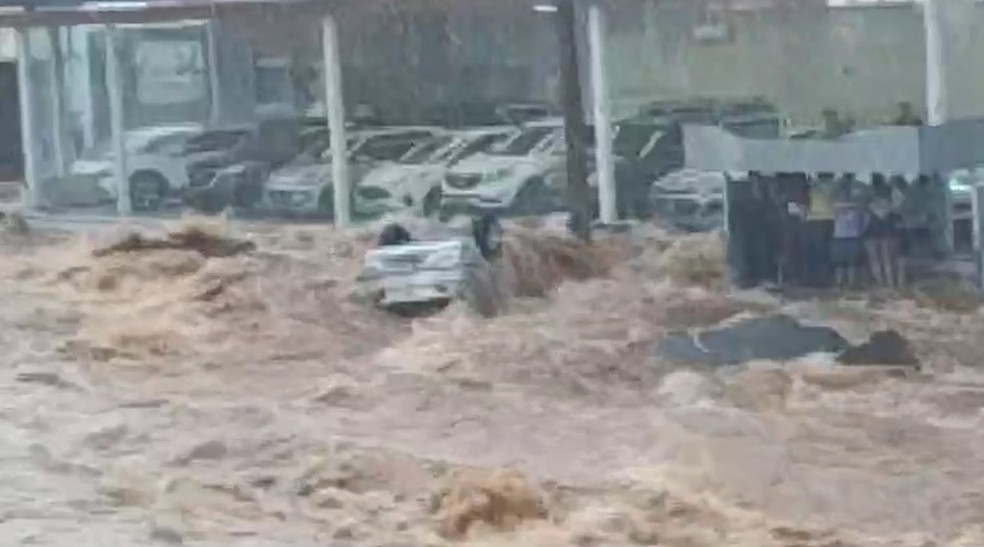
(500, 174)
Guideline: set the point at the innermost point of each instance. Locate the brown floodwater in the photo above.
(160, 396)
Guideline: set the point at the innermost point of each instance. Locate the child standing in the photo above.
(846, 242)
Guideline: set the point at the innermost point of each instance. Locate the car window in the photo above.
(766, 128)
(165, 144)
(524, 142)
(425, 152)
(481, 143)
(213, 141)
(632, 139)
(389, 147)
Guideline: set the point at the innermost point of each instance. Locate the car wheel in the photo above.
(147, 191)
(534, 198)
(393, 234)
(488, 236)
(432, 203)
(248, 190)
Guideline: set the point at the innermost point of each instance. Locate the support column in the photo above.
(978, 228)
(88, 116)
(57, 83)
(335, 108)
(30, 196)
(607, 191)
(570, 91)
(936, 93)
(215, 94)
(117, 126)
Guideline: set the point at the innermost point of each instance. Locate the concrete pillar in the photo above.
(88, 116)
(335, 107)
(604, 159)
(978, 226)
(936, 93)
(214, 86)
(114, 85)
(30, 197)
(57, 89)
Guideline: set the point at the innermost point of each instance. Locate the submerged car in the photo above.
(304, 186)
(522, 174)
(406, 273)
(414, 181)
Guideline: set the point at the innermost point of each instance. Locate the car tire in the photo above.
(532, 199)
(392, 235)
(432, 203)
(488, 236)
(147, 191)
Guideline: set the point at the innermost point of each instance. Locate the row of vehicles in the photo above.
(281, 165)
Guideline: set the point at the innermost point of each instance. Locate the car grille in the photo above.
(456, 180)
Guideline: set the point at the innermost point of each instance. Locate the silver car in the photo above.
(409, 275)
(304, 186)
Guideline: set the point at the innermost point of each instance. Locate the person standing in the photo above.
(846, 242)
(819, 230)
(881, 232)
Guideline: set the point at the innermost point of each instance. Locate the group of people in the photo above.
(821, 232)
(836, 224)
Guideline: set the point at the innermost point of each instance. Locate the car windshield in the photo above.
(142, 142)
(426, 152)
(523, 143)
(213, 141)
(631, 139)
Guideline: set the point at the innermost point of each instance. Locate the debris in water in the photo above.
(886, 347)
(501, 499)
(202, 239)
(775, 338)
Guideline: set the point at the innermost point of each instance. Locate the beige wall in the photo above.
(863, 61)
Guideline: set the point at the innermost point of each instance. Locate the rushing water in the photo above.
(161, 396)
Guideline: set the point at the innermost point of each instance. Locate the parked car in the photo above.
(690, 200)
(485, 113)
(405, 273)
(237, 177)
(522, 174)
(157, 163)
(304, 186)
(414, 181)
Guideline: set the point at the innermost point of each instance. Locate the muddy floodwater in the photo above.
(161, 396)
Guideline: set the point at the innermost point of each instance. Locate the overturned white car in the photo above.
(417, 273)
